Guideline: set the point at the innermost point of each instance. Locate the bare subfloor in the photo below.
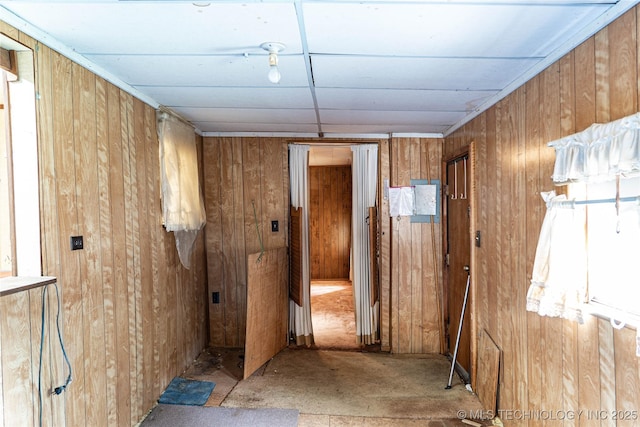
(335, 388)
(357, 387)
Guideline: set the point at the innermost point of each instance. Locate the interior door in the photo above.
(458, 260)
(295, 255)
(373, 253)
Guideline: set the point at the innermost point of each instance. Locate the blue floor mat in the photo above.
(182, 391)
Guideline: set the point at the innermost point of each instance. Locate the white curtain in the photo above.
(300, 317)
(365, 173)
(600, 152)
(559, 278)
(562, 270)
(182, 203)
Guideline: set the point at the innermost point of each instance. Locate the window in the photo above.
(589, 242)
(19, 198)
(613, 245)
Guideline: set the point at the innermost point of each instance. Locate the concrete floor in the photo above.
(336, 383)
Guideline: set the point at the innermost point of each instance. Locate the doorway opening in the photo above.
(330, 199)
(459, 255)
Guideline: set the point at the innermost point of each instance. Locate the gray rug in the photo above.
(214, 416)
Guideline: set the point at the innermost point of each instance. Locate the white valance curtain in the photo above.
(560, 272)
(365, 177)
(600, 152)
(182, 203)
(300, 317)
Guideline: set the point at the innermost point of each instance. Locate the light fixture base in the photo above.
(273, 46)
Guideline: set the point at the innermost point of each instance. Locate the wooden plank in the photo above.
(144, 282)
(240, 250)
(265, 304)
(252, 194)
(403, 231)
(128, 155)
(588, 364)
(53, 409)
(273, 198)
(118, 233)
(623, 68)
(106, 249)
(415, 252)
(535, 214)
(16, 371)
(69, 277)
(489, 368)
(215, 269)
(585, 84)
(626, 377)
(385, 247)
(228, 294)
(394, 271)
(315, 226)
(603, 103)
(89, 222)
(570, 372)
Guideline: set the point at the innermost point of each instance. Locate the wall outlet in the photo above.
(76, 243)
(215, 297)
(275, 226)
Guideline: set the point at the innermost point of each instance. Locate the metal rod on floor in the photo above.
(464, 306)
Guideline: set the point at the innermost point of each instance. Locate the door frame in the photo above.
(471, 309)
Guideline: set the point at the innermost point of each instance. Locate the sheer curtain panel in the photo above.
(182, 204)
(365, 178)
(300, 316)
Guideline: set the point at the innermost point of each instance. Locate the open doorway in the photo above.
(330, 199)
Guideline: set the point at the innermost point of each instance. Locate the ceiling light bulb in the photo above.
(274, 74)
(273, 48)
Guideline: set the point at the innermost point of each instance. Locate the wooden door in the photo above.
(373, 253)
(458, 259)
(295, 255)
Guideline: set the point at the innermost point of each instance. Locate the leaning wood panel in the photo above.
(265, 304)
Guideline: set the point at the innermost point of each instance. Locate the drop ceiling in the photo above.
(350, 68)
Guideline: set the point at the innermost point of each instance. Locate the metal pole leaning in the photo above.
(464, 306)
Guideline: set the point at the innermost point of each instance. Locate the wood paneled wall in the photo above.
(548, 363)
(241, 172)
(415, 254)
(330, 221)
(246, 186)
(132, 317)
